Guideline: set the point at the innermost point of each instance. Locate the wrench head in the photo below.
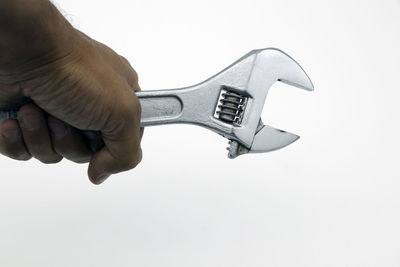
(251, 77)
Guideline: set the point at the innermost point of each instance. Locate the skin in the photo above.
(74, 83)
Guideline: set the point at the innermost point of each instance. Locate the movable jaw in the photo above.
(253, 76)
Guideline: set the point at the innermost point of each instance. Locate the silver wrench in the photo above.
(229, 103)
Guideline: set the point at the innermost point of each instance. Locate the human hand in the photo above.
(74, 84)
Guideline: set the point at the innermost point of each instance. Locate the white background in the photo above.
(331, 199)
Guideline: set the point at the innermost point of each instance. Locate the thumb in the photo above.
(122, 149)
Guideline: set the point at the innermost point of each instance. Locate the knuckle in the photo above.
(79, 158)
(131, 75)
(124, 60)
(24, 157)
(81, 161)
(31, 120)
(51, 159)
(29, 109)
(11, 151)
(40, 149)
(16, 154)
(60, 149)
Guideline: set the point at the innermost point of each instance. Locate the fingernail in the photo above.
(101, 179)
(11, 136)
(58, 129)
(31, 122)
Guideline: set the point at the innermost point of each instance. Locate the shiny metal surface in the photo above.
(250, 77)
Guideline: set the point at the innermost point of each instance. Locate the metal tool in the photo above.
(229, 103)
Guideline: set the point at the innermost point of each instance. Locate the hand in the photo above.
(75, 84)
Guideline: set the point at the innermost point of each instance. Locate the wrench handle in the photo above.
(159, 107)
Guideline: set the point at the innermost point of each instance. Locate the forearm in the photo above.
(30, 30)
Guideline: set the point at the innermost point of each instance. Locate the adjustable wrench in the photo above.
(229, 103)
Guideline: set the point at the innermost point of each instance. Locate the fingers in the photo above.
(36, 135)
(11, 142)
(68, 141)
(48, 140)
(122, 149)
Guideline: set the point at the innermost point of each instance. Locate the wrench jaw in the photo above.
(267, 67)
(270, 139)
(267, 139)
